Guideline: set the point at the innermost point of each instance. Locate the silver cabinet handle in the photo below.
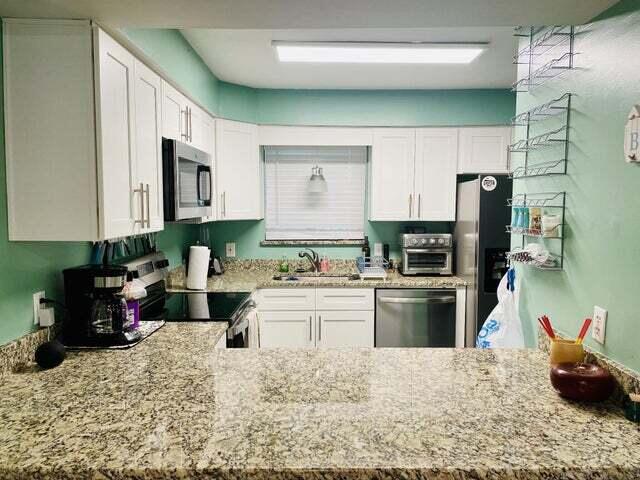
(310, 329)
(140, 190)
(148, 195)
(319, 327)
(447, 299)
(419, 204)
(190, 125)
(224, 203)
(410, 203)
(185, 134)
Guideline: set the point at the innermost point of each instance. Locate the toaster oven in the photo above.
(426, 254)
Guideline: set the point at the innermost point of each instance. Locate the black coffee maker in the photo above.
(97, 312)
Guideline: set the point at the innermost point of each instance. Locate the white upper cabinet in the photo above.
(122, 199)
(413, 174)
(392, 174)
(183, 120)
(436, 155)
(484, 150)
(238, 171)
(173, 115)
(148, 141)
(107, 173)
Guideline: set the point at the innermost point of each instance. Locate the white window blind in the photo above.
(294, 213)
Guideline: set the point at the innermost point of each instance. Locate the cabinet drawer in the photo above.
(287, 299)
(344, 299)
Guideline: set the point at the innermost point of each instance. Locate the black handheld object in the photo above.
(50, 354)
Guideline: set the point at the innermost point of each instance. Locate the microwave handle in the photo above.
(201, 170)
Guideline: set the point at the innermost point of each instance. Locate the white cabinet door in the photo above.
(287, 299)
(436, 166)
(238, 179)
(173, 113)
(116, 139)
(344, 328)
(345, 299)
(148, 137)
(392, 175)
(484, 150)
(198, 137)
(287, 329)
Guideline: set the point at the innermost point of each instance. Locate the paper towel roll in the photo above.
(198, 268)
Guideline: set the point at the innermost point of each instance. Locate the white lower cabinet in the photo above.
(287, 329)
(322, 317)
(337, 328)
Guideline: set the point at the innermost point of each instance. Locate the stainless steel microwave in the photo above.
(187, 181)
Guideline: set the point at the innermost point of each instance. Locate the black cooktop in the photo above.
(200, 306)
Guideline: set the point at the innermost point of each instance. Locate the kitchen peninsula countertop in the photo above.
(174, 407)
(250, 279)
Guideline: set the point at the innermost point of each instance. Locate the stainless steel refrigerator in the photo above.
(481, 244)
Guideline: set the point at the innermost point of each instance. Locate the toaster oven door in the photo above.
(427, 261)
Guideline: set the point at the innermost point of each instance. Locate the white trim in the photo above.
(461, 303)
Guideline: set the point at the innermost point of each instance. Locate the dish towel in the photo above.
(254, 329)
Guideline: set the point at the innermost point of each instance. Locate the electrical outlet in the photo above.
(36, 306)
(599, 328)
(230, 249)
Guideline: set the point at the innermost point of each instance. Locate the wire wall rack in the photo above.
(558, 109)
(549, 53)
(537, 254)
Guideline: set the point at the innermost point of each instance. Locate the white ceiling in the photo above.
(247, 57)
(284, 14)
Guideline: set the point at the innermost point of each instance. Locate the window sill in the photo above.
(311, 243)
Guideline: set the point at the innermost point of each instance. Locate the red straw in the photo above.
(583, 330)
(547, 322)
(545, 328)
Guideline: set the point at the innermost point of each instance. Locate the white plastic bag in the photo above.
(503, 328)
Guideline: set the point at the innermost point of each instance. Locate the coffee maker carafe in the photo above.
(97, 312)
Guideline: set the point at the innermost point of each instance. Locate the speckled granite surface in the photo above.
(173, 407)
(21, 351)
(249, 275)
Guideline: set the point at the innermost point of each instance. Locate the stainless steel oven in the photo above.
(187, 181)
(426, 254)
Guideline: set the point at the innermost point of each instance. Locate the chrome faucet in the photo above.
(313, 258)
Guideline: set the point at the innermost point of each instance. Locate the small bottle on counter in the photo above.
(284, 265)
(324, 264)
(366, 250)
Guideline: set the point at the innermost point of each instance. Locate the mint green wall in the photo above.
(385, 107)
(171, 51)
(27, 267)
(351, 107)
(602, 249)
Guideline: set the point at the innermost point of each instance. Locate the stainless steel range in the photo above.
(426, 253)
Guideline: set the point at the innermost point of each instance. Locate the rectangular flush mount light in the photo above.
(378, 52)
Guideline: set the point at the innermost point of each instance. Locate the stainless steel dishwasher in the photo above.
(415, 318)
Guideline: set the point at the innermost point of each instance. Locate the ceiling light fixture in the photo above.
(378, 52)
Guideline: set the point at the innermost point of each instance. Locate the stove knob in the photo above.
(432, 241)
(441, 241)
(424, 241)
(414, 242)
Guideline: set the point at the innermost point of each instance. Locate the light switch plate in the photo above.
(599, 328)
(36, 306)
(230, 249)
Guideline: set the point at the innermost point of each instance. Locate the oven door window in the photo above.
(421, 259)
(194, 181)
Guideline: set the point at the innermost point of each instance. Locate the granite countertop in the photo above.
(250, 279)
(174, 407)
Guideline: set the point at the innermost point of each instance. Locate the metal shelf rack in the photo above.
(549, 53)
(558, 108)
(543, 200)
